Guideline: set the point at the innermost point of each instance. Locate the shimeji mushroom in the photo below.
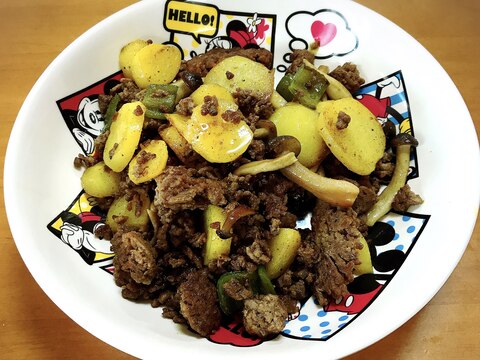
(403, 143)
(286, 148)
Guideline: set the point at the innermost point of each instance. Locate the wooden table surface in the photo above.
(34, 32)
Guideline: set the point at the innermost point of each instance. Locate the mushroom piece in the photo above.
(265, 129)
(260, 166)
(335, 192)
(403, 143)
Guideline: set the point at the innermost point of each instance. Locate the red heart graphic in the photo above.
(323, 33)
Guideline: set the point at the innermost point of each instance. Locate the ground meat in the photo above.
(140, 169)
(259, 252)
(84, 161)
(297, 57)
(233, 117)
(210, 106)
(342, 121)
(238, 290)
(185, 106)
(385, 166)
(202, 64)
(198, 303)
(253, 103)
(366, 198)
(104, 232)
(180, 188)
(349, 76)
(264, 315)
(127, 90)
(405, 198)
(336, 231)
(134, 256)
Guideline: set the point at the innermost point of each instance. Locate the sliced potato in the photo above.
(301, 122)
(127, 54)
(124, 135)
(122, 207)
(215, 247)
(176, 142)
(149, 162)
(211, 90)
(361, 144)
(365, 259)
(214, 138)
(238, 72)
(283, 248)
(100, 181)
(155, 64)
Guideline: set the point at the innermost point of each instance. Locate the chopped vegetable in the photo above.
(306, 86)
(127, 54)
(124, 135)
(99, 181)
(215, 246)
(361, 144)
(111, 110)
(244, 74)
(159, 99)
(283, 247)
(399, 179)
(155, 64)
(149, 162)
(257, 167)
(301, 122)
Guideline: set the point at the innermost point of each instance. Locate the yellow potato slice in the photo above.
(301, 122)
(365, 259)
(214, 138)
(124, 135)
(215, 246)
(283, 248)
(127, 54)
(149, 162)
(100, 181)
(240, 72)
(122, 207)
(361, 144)
(155, 64)
(211, 90)
(176, 142)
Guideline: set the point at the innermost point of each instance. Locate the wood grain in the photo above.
(33, 33)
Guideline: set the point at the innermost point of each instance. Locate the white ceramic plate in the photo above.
(40, 181)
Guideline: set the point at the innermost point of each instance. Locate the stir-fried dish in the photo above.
(205, 169)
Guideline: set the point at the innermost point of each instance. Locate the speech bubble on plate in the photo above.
(196, 19)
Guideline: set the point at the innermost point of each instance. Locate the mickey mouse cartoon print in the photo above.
(90, 121)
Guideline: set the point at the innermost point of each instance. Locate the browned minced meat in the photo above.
(198, 303)
(104, 232)
(349, 76)
(185, 106)
(336, 231)
(134, 256)
(343, 120)
(233, 117)
(297, 57)
(405, 198)
(210, 106)
(84, 161)
(264, 315)
(202, 64)
(385, 166)
(259, 252)
(253, 103)
(238, 290)
(127, 90)
(181, 188)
